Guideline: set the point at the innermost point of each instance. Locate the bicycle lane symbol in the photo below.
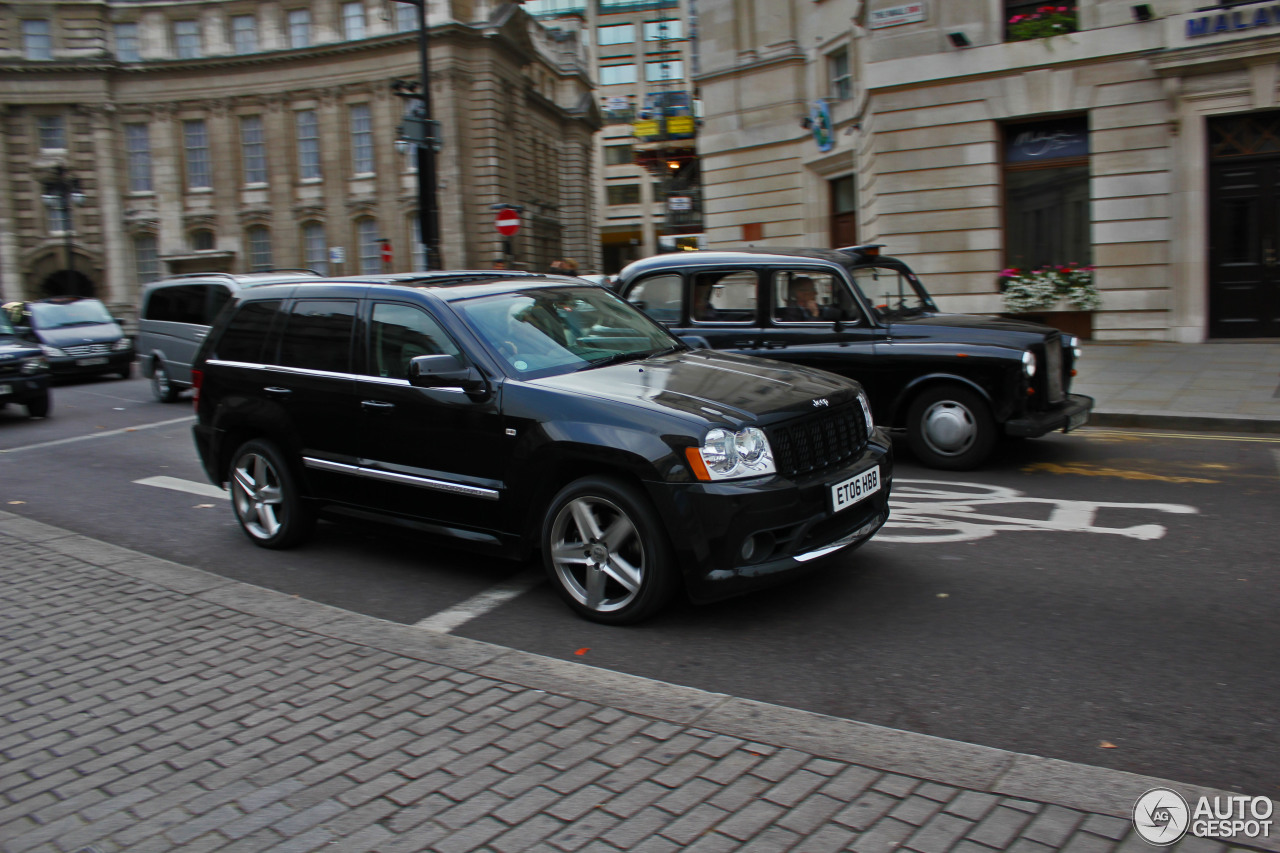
(936, 511)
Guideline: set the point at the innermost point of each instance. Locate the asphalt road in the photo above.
(1106, 597)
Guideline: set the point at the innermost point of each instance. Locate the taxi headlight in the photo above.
(730, 455)
(1029, 364)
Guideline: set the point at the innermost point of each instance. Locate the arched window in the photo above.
(259, 248)
(370, 246)
(315, 249)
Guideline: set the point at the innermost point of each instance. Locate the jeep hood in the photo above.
(712, 386)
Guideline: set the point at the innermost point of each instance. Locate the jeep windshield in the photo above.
(892, 292)
(557, 330)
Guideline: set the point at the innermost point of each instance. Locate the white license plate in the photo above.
(854, 489)
(1079, 419)
(90, 362)
(6, 389)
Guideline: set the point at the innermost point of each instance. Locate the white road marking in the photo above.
(477, 605)
(206, 490)
(103, 434)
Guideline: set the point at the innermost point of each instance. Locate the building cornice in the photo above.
(791, 57)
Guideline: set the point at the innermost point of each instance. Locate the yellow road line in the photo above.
(1125, 433)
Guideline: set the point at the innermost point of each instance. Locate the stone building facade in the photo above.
(1142, 138)
(235, 135)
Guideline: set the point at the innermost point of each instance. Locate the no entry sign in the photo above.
(508, 222)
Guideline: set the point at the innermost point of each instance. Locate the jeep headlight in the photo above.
(35, 364)
(121, 345)
(1029, 363)
(727, 455)
(52, 352)
(866, 411)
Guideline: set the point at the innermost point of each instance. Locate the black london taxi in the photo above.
(952, 383)
(24, 372)
(536, 415)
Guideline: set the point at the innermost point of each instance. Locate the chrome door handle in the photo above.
(376, 406)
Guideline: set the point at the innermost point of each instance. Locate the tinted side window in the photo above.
(183, 303)
(810, 296)
(247, 332)
(658, 296)
(400, 332)
(318, 335)
(218, 297)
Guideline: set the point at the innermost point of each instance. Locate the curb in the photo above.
(1190, 421)
(948, 762)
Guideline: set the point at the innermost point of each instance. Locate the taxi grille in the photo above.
(819, 441)
(88, 349)
(1053, 370)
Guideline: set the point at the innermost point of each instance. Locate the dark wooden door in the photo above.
(1244, 227)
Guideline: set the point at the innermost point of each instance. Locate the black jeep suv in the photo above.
(531, 415)
(952, 383)
(24, 372)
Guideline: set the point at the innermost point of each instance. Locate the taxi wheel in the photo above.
(950, 427)
(606, 551)
(266, 497)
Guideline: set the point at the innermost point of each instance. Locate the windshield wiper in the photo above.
(619, 358)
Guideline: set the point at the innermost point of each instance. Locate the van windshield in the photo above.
(82, 312)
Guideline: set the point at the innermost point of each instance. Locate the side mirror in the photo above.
(445, 371)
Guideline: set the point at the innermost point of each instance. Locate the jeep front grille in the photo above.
(819, 441)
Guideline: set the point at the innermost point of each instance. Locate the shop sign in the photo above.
(1216, 23)
(907, 13)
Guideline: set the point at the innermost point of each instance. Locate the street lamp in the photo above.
(421, 132)
(60, 192)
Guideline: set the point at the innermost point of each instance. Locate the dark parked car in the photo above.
(78, 335)
(952, 383)
(536, 414)
(24, 372)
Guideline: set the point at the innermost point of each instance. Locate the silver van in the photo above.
(175, 315)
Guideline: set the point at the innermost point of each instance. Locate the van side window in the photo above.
(247, 332)
(218, 297)
(659, 297)
(400, 332)
(317, 335)
(183, 303)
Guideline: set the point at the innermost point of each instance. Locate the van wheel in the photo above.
(38, 407)
(267, 499)
(161, 385)
(606, 552)
(950, 427)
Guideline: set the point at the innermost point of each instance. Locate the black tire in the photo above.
(126, 372)
(950, 427)
(606, 551)
(38, 407)
(161, 384)
(267, 499)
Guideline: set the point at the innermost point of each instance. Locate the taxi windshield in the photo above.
(892, 292)
(557, 330)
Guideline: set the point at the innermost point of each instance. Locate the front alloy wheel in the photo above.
(266, 498)
(606, 552)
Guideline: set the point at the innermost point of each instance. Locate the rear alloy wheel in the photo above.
(38, 407)
(266, 497)
(606, 551)
(161, 385)
(950, 427)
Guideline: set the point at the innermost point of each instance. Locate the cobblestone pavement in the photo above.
(148, 706)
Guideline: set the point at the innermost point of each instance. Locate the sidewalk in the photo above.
(1226, 386)
(148, 706)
